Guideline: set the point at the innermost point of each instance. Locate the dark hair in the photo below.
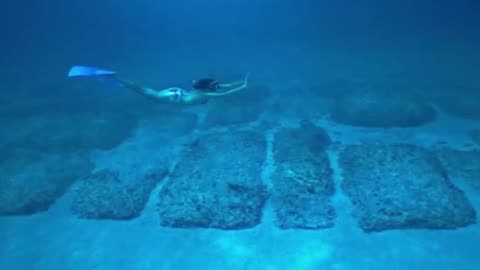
(206, 84)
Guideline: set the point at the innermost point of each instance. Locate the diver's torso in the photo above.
(192, 97)
(180, 96)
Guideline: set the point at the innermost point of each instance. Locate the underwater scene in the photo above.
(240, 135)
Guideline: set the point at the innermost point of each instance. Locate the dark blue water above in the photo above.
(37, 30)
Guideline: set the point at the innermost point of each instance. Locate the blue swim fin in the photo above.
(87, 71)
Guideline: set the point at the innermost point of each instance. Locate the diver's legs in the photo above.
(134, 86)
(89, 71)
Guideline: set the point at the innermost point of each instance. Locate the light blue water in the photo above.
(205, 186)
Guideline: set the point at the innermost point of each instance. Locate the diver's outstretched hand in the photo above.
(240, 85)
(245, 81)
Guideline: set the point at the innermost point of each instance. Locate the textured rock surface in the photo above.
(64, 133)
(33, 182)
(475, 134)
(217, 183)
(382, 110)
(401, 186)
(300, 106)
(104, 195)
(463, 167)
(464, 105)
(239, 108)
(302, 180)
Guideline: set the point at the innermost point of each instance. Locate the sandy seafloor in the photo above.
(58, 240)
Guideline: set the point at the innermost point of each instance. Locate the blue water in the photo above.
(355, 144)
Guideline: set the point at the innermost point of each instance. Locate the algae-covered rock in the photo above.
(105, 195)
(302, 180)
(402, 187)
(217, 183)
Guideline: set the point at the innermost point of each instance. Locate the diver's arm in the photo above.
(235, 84)
(231, 84)
(218, 94)
(238, 86)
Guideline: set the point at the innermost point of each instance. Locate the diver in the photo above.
(200, 92)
